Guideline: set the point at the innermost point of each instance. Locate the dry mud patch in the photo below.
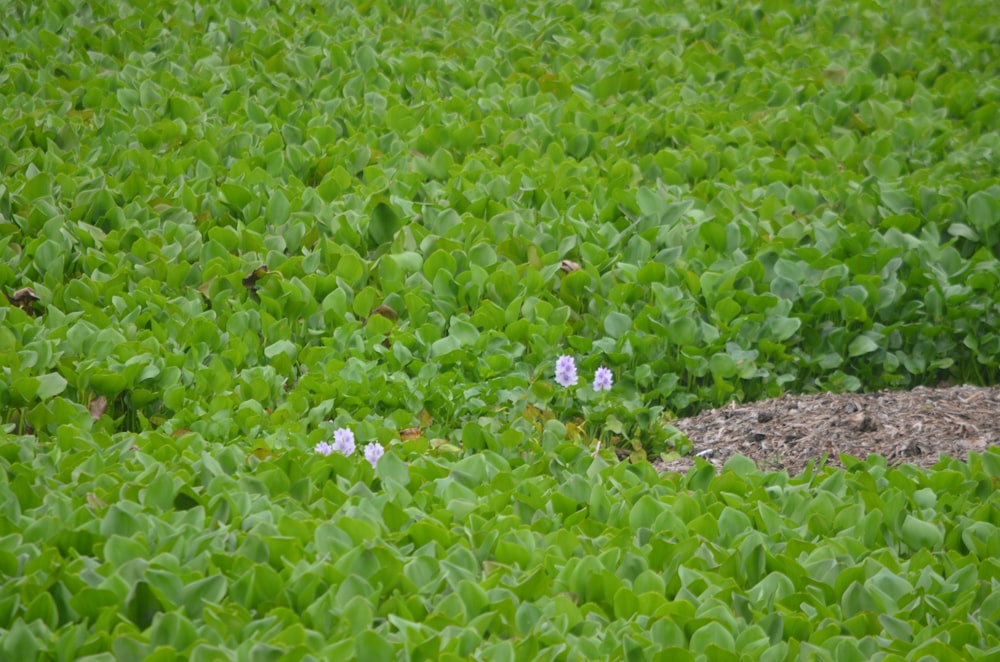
(906, 427)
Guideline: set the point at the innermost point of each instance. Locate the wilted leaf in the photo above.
(98, 406)
(95, 501)
(408, 434)
(263, 454)
(385, 311)
(250, 280)
(569, 265)
(24, 299)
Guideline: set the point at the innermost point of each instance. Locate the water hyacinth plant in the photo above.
(215, 252)
(594, 415)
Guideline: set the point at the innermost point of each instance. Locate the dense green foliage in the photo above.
(249, 223)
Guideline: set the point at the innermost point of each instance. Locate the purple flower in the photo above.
(324, 448)
(373, 452)
(343, 441)
(566, 371)
(602, 379)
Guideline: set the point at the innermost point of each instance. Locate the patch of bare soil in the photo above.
(906, 427)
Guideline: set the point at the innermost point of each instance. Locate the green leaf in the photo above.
(644, 512)
(964, 231)
(19, 643)
(783, 328)
(723, 366)
(712, 633)
(142, 605)
(119, 550)
(90, 602)
(650, 203)
(918, 534)
(727, 309)
(172, 629)
(677, 654)
(714, 234)
(984, 210)
(682, 331)
(858, 599)
(991, 463)
(26, 388)
(237, 197)
(465, 333)
(879, 64)
(119, 520)
(43, 608)
(351, 268)
(370, 645)
(285, 347)
(862, 344)
(391, 468)
(108, 384)
(366, 58)
(445, 346)
(439, 261)
(278, 208)
(208, 590)
(617, 325)
(384, 223)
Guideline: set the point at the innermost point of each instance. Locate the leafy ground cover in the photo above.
(229, 230)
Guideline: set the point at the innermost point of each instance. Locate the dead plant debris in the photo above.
(906, 427)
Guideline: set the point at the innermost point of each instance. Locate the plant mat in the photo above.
(906, 427)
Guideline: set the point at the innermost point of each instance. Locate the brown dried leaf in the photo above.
(386, 312)
(24, 294)
(535, 415)
(203, 289)
(263, 454)
(24, 299)
(569, 265)
(410, 433)
(98, 406)
(250, 280)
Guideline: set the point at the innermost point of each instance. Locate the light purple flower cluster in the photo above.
(566, 374)
(602, 379)
(373, 452)
(343, 442)
(566, 371)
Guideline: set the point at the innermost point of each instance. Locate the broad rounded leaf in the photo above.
(617, 324)
(862, 345)
(918, 534)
